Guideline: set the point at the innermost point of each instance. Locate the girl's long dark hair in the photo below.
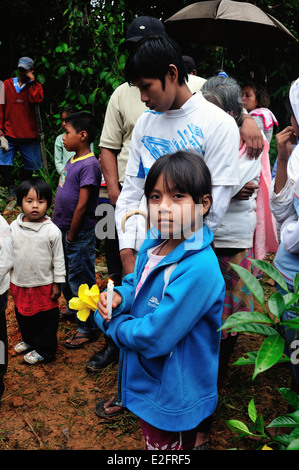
(184, 171)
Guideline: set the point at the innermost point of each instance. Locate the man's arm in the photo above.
(282, 139)
(36, 93)
(129, 199)
(281, 194)
(253, 137)
(109, 168)
(84, 196)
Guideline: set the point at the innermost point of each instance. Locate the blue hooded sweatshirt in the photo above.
(168, 335)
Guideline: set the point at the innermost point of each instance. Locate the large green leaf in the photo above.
(240, 318)
(247, 359)
(290, 397)
(250, 358)
(260, 424)
(284, 421)
(237, 426)
(269, 353)
(251, 282)
(271, 272)
(294, 445)
(255, 328)
(252, 413)
(291, 324)
(290, 300)
(276, 304)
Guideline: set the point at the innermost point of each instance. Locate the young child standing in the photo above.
(167, 313)
(38, 271)
(74, 213)
(5, 267)
(61, 155)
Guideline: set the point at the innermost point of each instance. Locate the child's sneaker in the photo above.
(21, 347)
(33, 357)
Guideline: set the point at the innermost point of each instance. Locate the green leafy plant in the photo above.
(271, 325)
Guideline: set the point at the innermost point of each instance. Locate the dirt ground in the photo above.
(51, 406)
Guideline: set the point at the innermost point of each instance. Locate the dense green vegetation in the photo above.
(75, 45)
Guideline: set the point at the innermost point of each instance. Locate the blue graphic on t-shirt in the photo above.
(189, 138)
(141, 172)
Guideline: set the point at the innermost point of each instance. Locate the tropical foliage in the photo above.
(271, 325)
(76, 48)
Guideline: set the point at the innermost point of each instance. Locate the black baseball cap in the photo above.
(141, 27)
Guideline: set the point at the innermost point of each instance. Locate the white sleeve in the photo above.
(289, 234)
(221, 199)
(221, 151)
(59, 271)
(131, 198)
(6, 260)
(281, 204)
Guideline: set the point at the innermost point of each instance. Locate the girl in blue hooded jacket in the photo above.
(166, 314)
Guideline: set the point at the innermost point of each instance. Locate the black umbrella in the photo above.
(227, 23)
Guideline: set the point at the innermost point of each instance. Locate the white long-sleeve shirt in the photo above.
(199, 126)
(5, 255)
(282, 207)
(38, 258)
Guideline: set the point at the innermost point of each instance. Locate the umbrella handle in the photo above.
(134, 212)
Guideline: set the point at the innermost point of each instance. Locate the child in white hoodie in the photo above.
(37, 273)
(5, 267)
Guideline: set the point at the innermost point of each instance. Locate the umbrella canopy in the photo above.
(227, 23)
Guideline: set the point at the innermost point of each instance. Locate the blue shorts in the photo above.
(30, 152)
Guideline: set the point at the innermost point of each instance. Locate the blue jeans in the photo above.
(290, 335)
(80, 269)
(30, 153)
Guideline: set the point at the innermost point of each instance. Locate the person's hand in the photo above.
(252, 136)
(69, 240)
(56, 291)
(113, 196)
(283, 138)
(30, 75)
(102, 304)
(128, 260)
(246, 192)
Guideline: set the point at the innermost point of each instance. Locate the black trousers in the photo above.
(3, 339)
(40, 331)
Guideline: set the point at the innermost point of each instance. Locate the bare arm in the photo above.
(84, 196)
(253, 137)
(282, 139)
(109, 169)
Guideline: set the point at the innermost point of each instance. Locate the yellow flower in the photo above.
(266, 447)
(87, 300)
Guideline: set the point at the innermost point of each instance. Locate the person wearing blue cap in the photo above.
(18, 123)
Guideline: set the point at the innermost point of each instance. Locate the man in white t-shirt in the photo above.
(176, 119)
(123, 110)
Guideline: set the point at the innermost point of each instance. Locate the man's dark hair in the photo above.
(69, 110)
(42, 188)
(83, 121)
(151, 59)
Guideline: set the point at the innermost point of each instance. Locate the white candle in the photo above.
(110, 287)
